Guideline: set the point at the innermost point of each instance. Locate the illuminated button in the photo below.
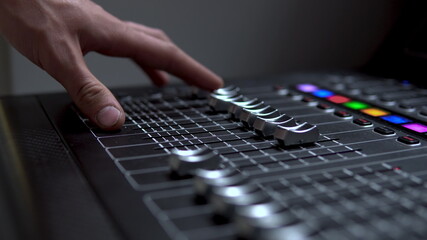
(375, 112)
(396, 119)
(343, 114)
(356, 105)
(338, 99)
(384, 130)
(307, 88)
(322, 93)
(409, 140)
(417, 127)
(362, 122)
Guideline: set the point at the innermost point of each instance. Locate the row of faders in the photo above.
(236, 198)
(264, 119)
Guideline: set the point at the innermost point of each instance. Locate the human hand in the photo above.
(56, 34)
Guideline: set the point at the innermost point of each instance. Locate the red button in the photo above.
(338, 99)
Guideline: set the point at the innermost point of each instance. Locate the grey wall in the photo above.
(240, 38)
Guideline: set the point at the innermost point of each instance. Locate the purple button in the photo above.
(417, 127)
(307, 88)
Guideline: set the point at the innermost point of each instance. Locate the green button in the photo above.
(356, 105)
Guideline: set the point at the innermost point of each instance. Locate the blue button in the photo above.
(396, 119)
(322, 93)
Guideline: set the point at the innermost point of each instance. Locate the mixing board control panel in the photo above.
(309, 157)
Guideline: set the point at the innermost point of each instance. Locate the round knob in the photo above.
(203, 185)
(276, 226)
(185, 162)
(225, 206)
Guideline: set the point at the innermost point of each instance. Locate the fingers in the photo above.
(92, 98)
(128, 40)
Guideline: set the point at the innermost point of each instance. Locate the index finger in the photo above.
(155, 53)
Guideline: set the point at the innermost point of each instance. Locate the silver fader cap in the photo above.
(266, 125)
(296, 135)
(247, 117)
(221, 103)
(186, 162)
(239, 104)
(229, 90)
(236, 109)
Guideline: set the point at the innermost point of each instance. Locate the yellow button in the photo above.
(375, 112)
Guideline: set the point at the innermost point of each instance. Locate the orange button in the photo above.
(375, 112)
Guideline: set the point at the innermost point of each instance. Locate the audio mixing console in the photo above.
(314, 156)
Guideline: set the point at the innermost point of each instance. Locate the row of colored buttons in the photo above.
(362, 107)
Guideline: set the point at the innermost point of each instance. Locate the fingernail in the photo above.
(108, 116)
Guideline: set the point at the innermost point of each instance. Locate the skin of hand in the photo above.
(56, 34)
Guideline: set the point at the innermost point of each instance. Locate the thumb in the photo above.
(97, 102)
(92, 98)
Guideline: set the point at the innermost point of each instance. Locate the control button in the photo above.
(326, 107)
(384, 131)
(281, 90)
(308, 88)
(296, 135)
(338, 99)
(423, 113)
(322, 93)
(343, 114)
(416, 127)
(185, 162)
(408, 140)
(375, 112)
(310, 101)
(362, 122)
(406, 107)
(356, 105)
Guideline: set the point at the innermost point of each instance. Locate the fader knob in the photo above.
(185, 162)
(236, 107)
(221, 103)
(296, 135)
(266, 125)
(229, 90)
(248, 116)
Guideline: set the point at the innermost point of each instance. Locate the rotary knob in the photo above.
(206, 181)
(186, 162)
